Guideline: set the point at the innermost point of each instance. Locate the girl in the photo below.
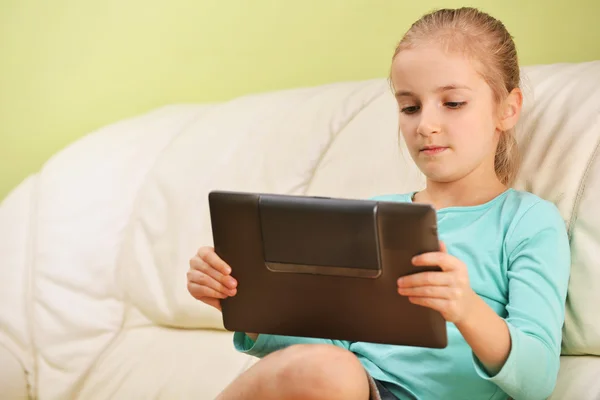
(505, 253)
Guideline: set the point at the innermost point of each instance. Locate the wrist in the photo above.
(469, 318)
(487, 334)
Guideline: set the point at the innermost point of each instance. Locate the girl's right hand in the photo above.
(209, 278)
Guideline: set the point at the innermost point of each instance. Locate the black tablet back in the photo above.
(323, 267)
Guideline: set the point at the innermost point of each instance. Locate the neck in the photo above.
(471, 190)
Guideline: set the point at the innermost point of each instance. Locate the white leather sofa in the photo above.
(94, 248)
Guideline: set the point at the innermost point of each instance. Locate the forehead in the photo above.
(426, 68)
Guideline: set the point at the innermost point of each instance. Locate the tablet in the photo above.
(325, 267)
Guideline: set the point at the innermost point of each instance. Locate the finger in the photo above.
(208, 255)
(435, 304)
(443, 247)
(207, 279)
(203, 291)
(200, 278)
(429, 278)
(432, 292)
(226, 280)
(435, 259)
(200, 265)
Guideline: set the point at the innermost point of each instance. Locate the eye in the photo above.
(455, 104)
(410, 110)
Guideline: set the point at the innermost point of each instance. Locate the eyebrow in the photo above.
(406, 93)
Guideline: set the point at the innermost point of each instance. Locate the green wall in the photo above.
(68, 67)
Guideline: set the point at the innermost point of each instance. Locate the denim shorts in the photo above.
(379, 392)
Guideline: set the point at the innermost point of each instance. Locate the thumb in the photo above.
(216, 303)
(443, 247)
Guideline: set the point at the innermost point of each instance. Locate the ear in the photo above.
(511, 110)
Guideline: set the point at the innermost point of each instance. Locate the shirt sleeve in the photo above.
(266, 344)
(539, 262)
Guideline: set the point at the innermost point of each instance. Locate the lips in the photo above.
(432, 150)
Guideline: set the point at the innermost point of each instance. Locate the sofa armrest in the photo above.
(13, 377)
(16, 350)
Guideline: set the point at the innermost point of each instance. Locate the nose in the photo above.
(429, 122)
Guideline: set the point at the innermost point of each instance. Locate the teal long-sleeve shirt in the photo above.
(517, 253)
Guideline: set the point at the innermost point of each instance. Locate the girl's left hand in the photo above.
(448, 291)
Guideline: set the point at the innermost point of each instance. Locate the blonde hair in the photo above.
(485, 39)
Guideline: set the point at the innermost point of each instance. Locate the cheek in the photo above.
(487, 119)
(475, 127)
(408, 129)
(473, 140)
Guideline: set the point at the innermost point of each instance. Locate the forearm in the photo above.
(487, 334)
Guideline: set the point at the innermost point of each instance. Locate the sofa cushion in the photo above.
(152, 362)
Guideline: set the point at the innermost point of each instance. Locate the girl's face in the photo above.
(447, 114)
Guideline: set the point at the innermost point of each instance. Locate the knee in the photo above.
(321, 372)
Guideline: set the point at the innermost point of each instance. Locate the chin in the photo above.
(441, 176)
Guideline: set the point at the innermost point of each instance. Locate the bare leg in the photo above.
(307, 372)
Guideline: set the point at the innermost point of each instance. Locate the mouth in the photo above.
(432, 150)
